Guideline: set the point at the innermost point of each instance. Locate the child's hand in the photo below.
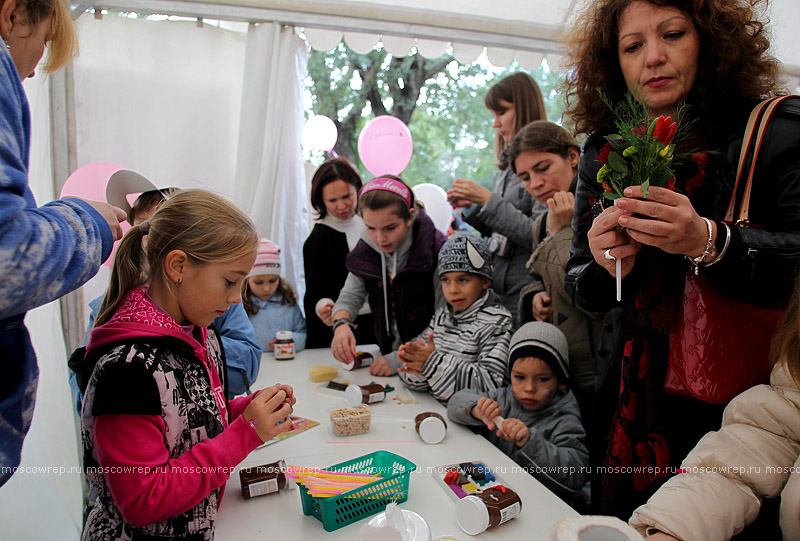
(541, 306)
(486, 410)
(343, 346)
(290, 398)
(380, 367)
(515, 431)
(271, 345)
(268, 408)
(414, 355)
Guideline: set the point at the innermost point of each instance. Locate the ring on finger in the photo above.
(607, 255)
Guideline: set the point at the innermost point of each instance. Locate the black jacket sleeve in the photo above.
(324, 254)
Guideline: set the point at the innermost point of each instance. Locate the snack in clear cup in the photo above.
(350, 421)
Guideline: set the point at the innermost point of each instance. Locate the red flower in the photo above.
(640, 131)
(604, 152)
(670, 133)
(700, 158)
(671, 184)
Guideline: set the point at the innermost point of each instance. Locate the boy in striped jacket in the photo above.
(466, 343)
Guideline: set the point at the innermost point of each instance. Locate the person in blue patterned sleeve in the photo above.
(48, 251)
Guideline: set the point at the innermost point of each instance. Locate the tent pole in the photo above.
(65, 161)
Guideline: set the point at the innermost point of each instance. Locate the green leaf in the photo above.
(617, 163)
(660, 176)
(646, 187)
(611, 196)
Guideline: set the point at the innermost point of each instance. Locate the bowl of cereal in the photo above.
(350, 421)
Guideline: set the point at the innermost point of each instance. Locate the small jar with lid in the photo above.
(264, 479)
(431, 427)
(492, 507)
(365, 356)
(284, 346)
(362, 359)
(364, 394)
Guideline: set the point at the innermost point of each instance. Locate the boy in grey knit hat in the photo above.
(535, 420)
(466, 343)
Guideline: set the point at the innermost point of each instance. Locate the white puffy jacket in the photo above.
(754, 455)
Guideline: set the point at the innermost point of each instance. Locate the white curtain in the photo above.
(43, 499)
(270, 175)
(162, 98)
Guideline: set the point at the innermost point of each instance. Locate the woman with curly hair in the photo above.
(712, 54)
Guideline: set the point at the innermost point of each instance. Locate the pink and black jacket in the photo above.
(159, 438)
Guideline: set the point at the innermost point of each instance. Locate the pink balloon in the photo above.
(385, 145)
(89, 182)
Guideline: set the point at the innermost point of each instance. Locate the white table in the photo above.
(280, 516)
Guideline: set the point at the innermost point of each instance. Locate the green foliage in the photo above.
(440, 101)
(641, 153)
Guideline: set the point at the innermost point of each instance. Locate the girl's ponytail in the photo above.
(128, 271)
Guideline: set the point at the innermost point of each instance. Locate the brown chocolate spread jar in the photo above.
(431, 427)
(262, 480)
(363, 359)
(284, 346)
(492, 507)
(364, 394)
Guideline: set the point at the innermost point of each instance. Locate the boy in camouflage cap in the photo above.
(466, 343)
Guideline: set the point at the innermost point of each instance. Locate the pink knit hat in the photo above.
(268, 259)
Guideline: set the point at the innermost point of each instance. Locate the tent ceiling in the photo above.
(519, 25)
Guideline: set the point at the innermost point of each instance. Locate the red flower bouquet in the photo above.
(641, 153)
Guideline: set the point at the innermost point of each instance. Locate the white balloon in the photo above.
(435, 200)
(320, 133)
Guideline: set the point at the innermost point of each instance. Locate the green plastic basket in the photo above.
(352, 506)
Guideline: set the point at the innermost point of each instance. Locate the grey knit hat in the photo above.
(543, 341)
(464, 252)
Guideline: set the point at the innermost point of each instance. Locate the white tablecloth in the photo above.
(280, 515)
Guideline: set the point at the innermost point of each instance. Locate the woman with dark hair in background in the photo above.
(334, 194)
(712, 54)
(505, 215)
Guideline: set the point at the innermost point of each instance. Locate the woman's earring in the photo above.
(8, 47)
(180, 280)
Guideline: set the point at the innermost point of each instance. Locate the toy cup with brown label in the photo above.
(492, 507)
(364, 394)
(431, 427)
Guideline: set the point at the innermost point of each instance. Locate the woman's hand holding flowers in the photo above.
(674, 227)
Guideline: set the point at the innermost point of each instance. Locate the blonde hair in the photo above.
(62, 40)
(206, 226)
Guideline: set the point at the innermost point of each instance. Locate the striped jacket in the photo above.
(471, 349)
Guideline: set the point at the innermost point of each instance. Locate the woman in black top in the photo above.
(714, 55)
(334, 194)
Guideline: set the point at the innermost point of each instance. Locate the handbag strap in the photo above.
(768, 107)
